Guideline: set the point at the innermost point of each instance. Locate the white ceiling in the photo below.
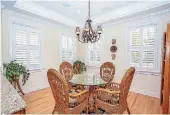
(74, 13)
(78, 10)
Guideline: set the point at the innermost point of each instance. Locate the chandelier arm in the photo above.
(91, 28)
(83, 41)
(84, 36)
(78, 36)
(98, 37)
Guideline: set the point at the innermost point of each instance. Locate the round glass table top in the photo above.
(87, 79)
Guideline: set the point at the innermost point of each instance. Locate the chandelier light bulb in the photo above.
(99, 29)
(77, 30)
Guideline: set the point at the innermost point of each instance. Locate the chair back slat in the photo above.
(66, 69)
(126, 83)
(59, 87)
(107, 71)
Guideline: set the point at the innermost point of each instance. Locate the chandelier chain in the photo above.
(89, 10)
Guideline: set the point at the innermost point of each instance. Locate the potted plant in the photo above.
(79, 67)
(13, 71)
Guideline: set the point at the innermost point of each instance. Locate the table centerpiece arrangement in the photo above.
(79, 67)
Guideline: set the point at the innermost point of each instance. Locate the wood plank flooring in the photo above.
(42, 102)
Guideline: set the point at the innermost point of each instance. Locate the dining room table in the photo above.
(89, 81)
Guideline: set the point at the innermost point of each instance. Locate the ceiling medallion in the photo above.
(88, 34)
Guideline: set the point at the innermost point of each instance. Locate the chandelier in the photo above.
(88, 34)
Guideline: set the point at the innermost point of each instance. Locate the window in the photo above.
(93, 54)
(68, 48)
(26, 45)
(143, 48)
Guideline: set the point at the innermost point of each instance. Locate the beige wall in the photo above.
(0, 48)
(0, 45)
(51, 50)
(145, 84)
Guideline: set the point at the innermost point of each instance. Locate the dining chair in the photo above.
(66, 69)
(114, 100)
(65, 102)
(107, 71)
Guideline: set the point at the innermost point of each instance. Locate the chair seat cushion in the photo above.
(111, 99)
(73, 102)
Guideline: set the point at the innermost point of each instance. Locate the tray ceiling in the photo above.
(74, 13)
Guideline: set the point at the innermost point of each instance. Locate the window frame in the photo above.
(156, 46)
(27, 22)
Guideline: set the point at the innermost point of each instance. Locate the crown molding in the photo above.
(129, 11)
(44, 12)
(132, 18)
(135, 8)
(15, 14)
(2, 6)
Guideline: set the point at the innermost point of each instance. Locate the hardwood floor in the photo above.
(42, 102)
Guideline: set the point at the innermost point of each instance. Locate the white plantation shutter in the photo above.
(93, 54)
(135, 58)
(143, 48)
(135, 47)
(148, 59)
(68, 48)
(21, 53)
(34, 47)
(148, 35)
(135, 38)
(26, 46)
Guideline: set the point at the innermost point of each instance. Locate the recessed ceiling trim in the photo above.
(2, 6)
(121, 12)
(42, 11)
(128, 10)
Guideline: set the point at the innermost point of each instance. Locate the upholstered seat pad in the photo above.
(75, 101)
(113, 99)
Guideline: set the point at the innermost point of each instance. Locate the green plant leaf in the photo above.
(15, 69)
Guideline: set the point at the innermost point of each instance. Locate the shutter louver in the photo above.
(27, 46)
(135, 48)
(148, 36)
(34, 57)
(91, 56)
(34, 39)
(135, 58)
(98, 56)
(21, 36)
(142, 48)
(135, 38)
(34, 42)
(94, 53)
(68, 48)
(148, 58)
(21, 54)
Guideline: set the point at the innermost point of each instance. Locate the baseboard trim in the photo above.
(35, 89)
(152, 94)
